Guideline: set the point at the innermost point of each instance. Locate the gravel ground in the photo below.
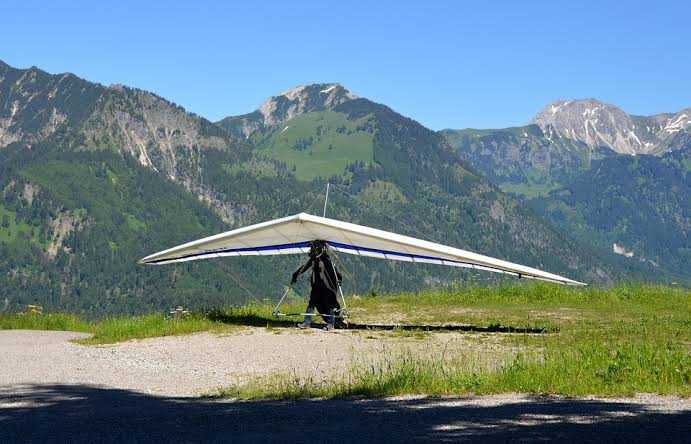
(200, 363)
(173, 366)
(52, 390)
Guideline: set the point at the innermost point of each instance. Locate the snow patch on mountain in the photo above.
(599, 124)
(677, 124)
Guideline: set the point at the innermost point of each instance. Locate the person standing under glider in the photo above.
(325, 281)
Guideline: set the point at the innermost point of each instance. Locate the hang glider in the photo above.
(293, 234)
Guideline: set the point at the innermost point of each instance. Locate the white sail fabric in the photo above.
(291, 235)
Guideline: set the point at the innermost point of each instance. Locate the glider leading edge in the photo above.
(293, 234)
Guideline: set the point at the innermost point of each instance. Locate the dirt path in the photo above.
(200, 363)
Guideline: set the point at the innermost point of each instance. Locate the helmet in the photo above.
(317, 248)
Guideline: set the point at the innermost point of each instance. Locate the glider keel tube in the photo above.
(292, 235)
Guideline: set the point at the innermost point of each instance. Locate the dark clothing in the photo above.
(324, 280)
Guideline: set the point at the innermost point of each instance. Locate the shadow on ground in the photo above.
(78, 413)
(261, 321)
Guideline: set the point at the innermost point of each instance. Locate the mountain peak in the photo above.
(323, 88)
(303, 99)
(288, 104)
(563, 109)
(563, 106)
(599, 124)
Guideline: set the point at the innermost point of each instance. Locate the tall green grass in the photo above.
(583, 368)
(120, 329)
(634, 297)
(112, 330)
(53, 321)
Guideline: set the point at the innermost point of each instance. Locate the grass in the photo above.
(120, 329)
(113, 330)
(612, 342)
(587, 369)
(14, 228)
(53, 321)
(533, 305)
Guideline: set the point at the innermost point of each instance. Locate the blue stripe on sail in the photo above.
(392, 253)
(234, 250)
(306, 244)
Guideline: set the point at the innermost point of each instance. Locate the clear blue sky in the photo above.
(449, 64)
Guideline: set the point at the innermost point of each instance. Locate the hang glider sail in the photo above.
(293, 234)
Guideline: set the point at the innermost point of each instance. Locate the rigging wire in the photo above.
(235, 279)
(232, 275)
(395, 221)
(474, 274)
(316, 199)
(341, 265)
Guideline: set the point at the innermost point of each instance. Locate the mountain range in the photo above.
(94, 177)
(615, 181)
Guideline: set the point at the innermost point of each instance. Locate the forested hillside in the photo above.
(638, 207)
(523, 160)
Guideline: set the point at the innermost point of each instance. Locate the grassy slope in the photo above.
(618, 341)
(320, 144)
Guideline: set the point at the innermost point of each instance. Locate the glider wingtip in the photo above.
(144, 261)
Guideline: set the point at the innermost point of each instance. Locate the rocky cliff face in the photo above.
(76, 115)
(36, 106)
(153, 130)
(599, 124)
